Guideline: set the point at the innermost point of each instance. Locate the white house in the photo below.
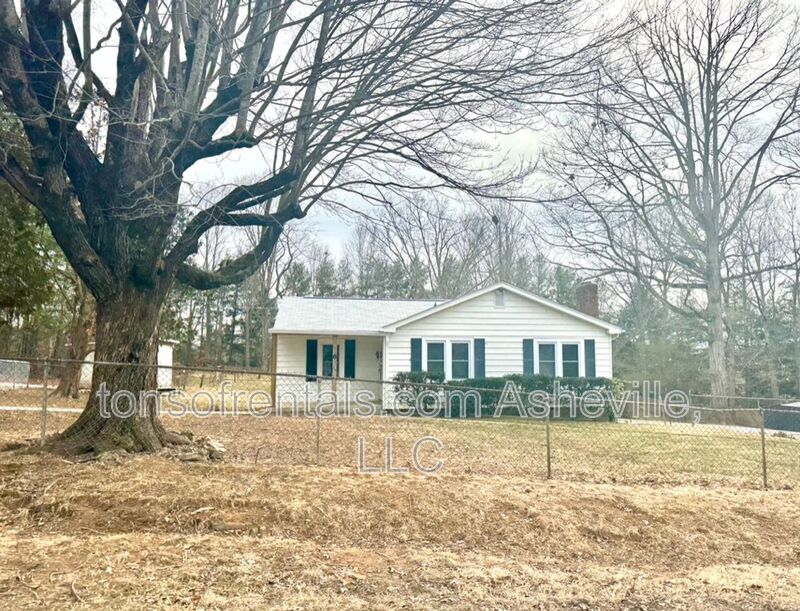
(494, 331)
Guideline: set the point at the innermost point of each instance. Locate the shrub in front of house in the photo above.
(408, 378)
(410, 384)
(491, 389)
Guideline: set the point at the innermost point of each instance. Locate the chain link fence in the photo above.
(371, 426)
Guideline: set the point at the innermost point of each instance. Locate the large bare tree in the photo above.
(338, 96)
(694, 124)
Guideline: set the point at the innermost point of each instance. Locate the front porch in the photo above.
(315, 363)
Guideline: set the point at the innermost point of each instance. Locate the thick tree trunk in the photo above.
(717, 361)
(127, 335)
(731, 358)
(716, 358)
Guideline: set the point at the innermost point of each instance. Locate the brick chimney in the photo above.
(586, 298)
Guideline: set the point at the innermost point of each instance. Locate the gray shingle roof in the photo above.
(342, 316)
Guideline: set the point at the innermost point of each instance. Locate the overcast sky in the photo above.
(333, 229)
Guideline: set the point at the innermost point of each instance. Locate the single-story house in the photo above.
(493, 331)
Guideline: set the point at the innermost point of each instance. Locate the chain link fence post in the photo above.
(45, 376)
(316, 417)
(764, 481)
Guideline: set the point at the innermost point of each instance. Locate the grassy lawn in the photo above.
(621, 452)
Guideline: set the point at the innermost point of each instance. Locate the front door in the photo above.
(328, 360)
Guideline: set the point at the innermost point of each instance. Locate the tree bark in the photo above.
(718, 369)
(732, 362)
(127, 335)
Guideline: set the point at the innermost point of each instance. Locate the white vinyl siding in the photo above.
(503, 329)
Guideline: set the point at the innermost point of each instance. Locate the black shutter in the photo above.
(416, 354)
(480, 358)
(350, 358)
(527, 357)
(589, 359)
(311, 359)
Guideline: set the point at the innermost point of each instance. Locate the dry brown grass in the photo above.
(33, 397)
(267, 529)
(150, 532)
(652, 517)
(599, 452)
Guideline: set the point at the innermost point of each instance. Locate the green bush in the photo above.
(491, 389)
(418, 377)
(414, 382)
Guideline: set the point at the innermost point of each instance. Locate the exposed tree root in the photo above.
(182, 446)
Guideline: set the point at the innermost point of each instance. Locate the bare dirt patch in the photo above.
(149, 532)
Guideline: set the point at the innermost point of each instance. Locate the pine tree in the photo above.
(325, 276)
(297, 280)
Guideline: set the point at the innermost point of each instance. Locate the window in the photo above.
(499, 298)
(327, 360)
(569, 361)
(460, 360)
(435, 357)
(547, 360)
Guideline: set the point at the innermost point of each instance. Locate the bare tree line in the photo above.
(672, 169)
